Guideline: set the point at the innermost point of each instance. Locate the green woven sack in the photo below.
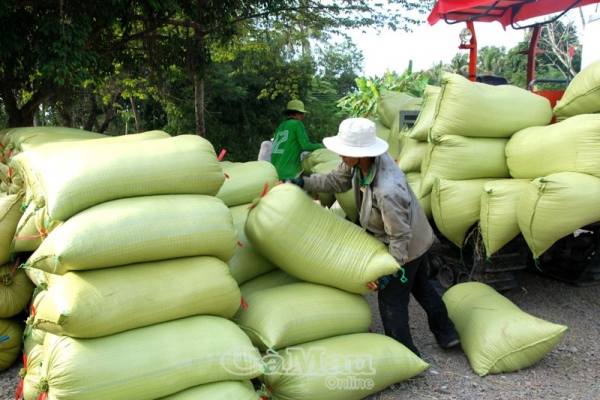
(95, 303)
(317, 157)
(555, 206)
(34, 192)
(347, 202)
(498, 214)
(314, 245)
(51, 144)
(275, 278)
(14, 137)
(414, 181)
(33, 334)
(343, 367)
(301, 312)
(10, 215)
(226, 390)
(582, 96)
(80, 177)
(382, 131)
(571, 145)
(27, 237)
(394, 139)
(40, 278)
(326, 199)
(31, 380)
(150, 362)
(38, 146)
(424, 121)
(138, 229)
(412, 153)
(389, 104)
(28, 344)
(494, 333)
(15, 290)
(245, 181)
(246, 263)
(459, 158)
(480, 110)
(455, 206)
(10, 348)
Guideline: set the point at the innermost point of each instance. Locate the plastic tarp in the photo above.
(505, 12)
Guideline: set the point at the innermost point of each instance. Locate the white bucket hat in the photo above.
(356, 138)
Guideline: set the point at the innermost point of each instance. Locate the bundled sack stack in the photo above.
(16, 290)
(313, 301)
(138, 262)
(14, 139)
(413, 145)
(466, 146)
(561, 163)
(389, 105)
(245, 182)
(35, 224)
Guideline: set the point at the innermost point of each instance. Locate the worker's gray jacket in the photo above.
(388, 207)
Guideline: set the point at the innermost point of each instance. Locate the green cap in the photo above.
(295, 105)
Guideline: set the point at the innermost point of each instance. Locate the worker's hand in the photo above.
(374, 285)
(296, 181)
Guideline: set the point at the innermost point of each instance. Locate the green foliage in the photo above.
(363, 102)
(490, 61)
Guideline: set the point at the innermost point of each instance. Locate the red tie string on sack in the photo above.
(22, 374)
(221, 155)
(264, 192)
(244, 304)
(240, 244)
(28, 237)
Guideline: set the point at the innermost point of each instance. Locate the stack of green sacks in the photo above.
(309, 317)
(139, 296)
(472, 123)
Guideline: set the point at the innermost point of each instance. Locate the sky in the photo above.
(427, 45)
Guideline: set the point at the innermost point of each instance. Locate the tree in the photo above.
(363, 102)
(52, 47)
(459, 64)
(49, 47)
(491, 60)
(556, 39)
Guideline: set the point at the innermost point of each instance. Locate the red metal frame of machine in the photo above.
(506, 12)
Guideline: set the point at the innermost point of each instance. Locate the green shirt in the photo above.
(289, 142)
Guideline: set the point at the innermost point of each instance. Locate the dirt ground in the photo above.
(570, 371)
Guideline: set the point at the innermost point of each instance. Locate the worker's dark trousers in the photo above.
(393, 306)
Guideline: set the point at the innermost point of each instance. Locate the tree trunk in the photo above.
(16, 116)
(199, 105)
(135, 114)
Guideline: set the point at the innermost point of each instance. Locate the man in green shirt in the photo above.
(290, 140)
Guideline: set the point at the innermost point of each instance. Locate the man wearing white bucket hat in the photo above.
(290, 141)
(390, 211)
